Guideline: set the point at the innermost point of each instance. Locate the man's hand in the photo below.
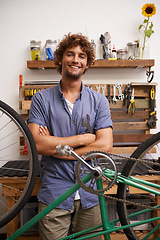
(43, 130)
(47, 143)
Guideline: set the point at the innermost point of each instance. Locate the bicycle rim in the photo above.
(147, 150)
(18, 163)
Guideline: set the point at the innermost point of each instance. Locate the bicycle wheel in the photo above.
(147, 150)
(18, 163)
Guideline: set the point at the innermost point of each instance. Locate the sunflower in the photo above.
(149, 9)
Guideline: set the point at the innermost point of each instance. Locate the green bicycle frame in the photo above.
(107, 226)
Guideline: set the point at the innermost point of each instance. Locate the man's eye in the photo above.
(82, 56)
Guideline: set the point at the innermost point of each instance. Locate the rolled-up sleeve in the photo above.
(37, 110)
(103, 117)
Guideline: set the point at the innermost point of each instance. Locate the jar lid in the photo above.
(131, 43)
(51, 41)
(121, 51)
(35, 42)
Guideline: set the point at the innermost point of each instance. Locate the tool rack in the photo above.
(129, 129)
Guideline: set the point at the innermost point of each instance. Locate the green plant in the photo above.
(148, 10)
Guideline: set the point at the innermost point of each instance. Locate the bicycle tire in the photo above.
(129, 168)
(13, 131)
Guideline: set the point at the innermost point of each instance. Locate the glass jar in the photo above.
(49, 48)
(132, 50)
(94, 47)
(35, 50)
(121, 54)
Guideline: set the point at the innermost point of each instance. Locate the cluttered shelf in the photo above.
(101, 63)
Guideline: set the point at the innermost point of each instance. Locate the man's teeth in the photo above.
(74, 67)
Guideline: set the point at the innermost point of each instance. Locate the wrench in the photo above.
(104, 90)
(109, 96)
(98, 88)
(87, 124)
(114, 100)
(120, 95)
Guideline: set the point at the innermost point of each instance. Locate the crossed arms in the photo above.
(46, 144)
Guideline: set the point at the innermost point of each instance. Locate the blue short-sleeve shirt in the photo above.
(49, 108)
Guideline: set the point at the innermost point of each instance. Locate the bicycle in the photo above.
(103, 173)
(18, 163)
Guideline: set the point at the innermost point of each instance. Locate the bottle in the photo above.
(35, 50)
(94, 47)
(49, 48)
(114, 52)
(137, 49)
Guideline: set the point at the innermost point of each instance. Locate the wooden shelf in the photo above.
(137, 63)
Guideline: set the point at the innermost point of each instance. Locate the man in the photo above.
(56, 118)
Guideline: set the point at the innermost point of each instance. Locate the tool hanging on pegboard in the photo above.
(152, 120)
(150, 75)
(131, 106)
(109, 93)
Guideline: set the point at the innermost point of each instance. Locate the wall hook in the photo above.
(150, 75)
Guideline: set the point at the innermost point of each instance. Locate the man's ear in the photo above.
(87, 67)
(60, 63)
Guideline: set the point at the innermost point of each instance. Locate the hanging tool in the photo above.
(120, 94)
(109, 93)
(127, 89)
(132, 103)
(129, 96)
(114, 100)
(150, 75)
(26, 94)
(98, 88)
(30, 93)
(152, 120)
(87, 124)
(104, 90)
(34, 91)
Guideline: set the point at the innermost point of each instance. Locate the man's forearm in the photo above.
(46, 143)
(103, 142)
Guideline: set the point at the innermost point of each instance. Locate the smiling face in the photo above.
(74, 63)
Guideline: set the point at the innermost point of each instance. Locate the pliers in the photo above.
(127, 94)
(131, 103)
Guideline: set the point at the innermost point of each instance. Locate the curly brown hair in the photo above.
(73, 40)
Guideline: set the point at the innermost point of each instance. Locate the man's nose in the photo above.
(75, 58)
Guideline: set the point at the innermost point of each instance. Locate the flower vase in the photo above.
(144, 47)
